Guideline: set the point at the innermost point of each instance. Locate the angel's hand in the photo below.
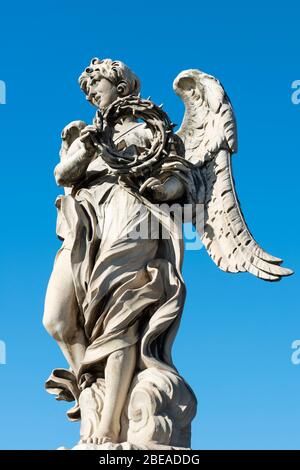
(171, 189)
(89, 136)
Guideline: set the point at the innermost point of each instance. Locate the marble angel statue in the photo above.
(114, 300)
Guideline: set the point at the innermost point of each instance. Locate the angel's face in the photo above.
(101, 93)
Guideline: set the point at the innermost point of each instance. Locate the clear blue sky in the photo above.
(234, 345)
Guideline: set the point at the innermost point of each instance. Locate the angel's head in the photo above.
(103, 81)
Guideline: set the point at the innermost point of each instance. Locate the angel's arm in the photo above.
(76, 157)
(72, 169)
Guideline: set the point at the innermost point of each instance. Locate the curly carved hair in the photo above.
(116, 72)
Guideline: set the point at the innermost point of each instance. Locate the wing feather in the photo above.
(208, 132)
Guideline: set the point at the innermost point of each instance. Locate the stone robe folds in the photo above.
(129, 289)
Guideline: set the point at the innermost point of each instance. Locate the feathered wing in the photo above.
(208, 132)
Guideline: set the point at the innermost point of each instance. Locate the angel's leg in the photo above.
(61, 315)
(118, 376)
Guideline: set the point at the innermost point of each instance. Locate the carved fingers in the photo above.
(172, 188)
(89, 136)
(149, 183)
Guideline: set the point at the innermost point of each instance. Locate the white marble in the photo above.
(114, 301)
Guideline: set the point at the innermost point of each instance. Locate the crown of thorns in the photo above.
(156, 120)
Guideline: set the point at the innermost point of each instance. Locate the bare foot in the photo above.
(104, 439)
(108, 434)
